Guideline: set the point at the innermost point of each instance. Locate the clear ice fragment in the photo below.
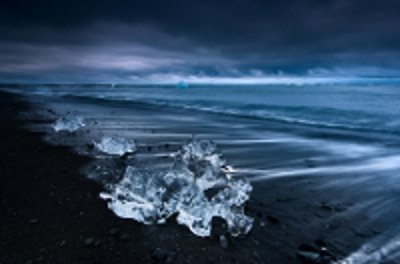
(151, 198)
(68, 123)
(115, 146)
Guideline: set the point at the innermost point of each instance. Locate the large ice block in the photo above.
(151, 198)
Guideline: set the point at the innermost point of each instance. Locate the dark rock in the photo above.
(97, 242)
(33, 221)
(361, 233)
(315, 255)
(90, 146)
(124, 236)
(159, 255)
(283, 199)
(89, 241)
(308, 254)
(218, 228)
(211, 260)
(320, 243)
(63, 243)
(273, 220)
(223, 241)
(326, 207)
(171, 257)
(114, 231)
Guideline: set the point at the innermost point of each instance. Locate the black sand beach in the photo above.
(51, 213)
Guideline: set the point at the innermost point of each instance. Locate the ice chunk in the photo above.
(182, 85)
(68, 123)
(204, 162)
(138, 196)
(153, 197)
(228, 204)
(198, 150)
(116, 146)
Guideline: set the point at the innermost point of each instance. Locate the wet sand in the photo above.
(51, 213)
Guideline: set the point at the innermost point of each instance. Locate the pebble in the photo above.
(97, 242)
(113, 231)
(273, 220)
(124, 236)
(311, 254)
(159, 254)
(63, 243)
(33, 221)
(223, 241)
(89, 241)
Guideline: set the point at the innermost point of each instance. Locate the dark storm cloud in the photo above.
(129, 38)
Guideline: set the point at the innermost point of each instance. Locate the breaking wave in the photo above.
(304, 115)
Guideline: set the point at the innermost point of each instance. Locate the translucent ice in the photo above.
(204, 163)
(182, 85)
(68, 123)
(138, 196)
(153, 197)
(115, 146)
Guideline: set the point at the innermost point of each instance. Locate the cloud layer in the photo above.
(129, 40)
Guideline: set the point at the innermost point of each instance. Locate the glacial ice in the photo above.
(151, 198)
(115, 146)
(69, 123)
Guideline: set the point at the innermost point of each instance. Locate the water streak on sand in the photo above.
(372, 165)
(380, 250)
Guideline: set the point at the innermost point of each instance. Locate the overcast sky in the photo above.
(128, 41)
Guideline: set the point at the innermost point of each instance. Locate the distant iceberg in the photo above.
(116, 146)
(68, 123)
(182, 85)
(151, 198)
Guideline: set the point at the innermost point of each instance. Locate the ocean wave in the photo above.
(297, 115)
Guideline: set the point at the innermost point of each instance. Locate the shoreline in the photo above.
(53, 214)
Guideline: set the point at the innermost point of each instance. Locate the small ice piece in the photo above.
(68, 123)
(116, 146)
(198, 150)
(151, 198)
